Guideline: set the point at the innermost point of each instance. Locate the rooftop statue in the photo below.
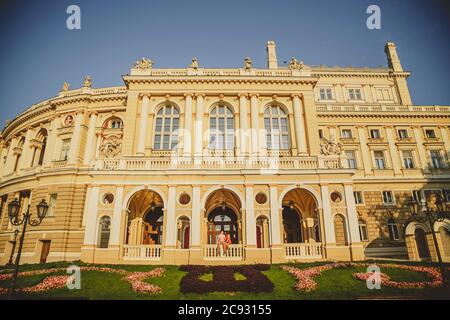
(194, 64)
(247, 63)
(65, 87)
(87, 83)
(144, 64)
(295, 65)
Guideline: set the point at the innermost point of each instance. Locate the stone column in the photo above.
(91, 217)
(250, 221)
(420, 148)
(117, 217)
(395, 159)
(445, 139)
(327, 221)
(352, 215)
(171, 227)
(187, 147)
(143, 125)
(275, 217)
(198, 151)
(74, 152)
(195, 217)
(50, 152)
(243, 123)
(255, 124)
(129, 124)
(364, 150)
(299, 125)
(27, 152)
(310, 123)
(90, 138)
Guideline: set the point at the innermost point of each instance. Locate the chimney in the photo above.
(272, 62)
(393, 60)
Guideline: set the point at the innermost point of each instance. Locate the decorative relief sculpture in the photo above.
(247, 63)
(295, 65)
(144, 64)
(111, 146)
(194, 64)
(65, 87)
(68, 121)
(87, 83)
(331, 147)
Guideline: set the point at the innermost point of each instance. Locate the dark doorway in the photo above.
(421, 243)
(45, 250)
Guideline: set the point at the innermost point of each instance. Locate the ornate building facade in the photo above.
(296, 163)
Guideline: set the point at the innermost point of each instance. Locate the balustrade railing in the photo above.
(303, 250)
(212, 252)
(142, 252)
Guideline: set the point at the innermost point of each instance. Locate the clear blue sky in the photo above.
(38, 53)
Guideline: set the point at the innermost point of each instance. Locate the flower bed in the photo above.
(307, 283)
(57, 282)
(224, 280)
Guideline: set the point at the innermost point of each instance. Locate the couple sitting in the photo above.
(223, 242)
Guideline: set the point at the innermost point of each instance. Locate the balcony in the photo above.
(297, 251)
(142, 252)
(234, 252)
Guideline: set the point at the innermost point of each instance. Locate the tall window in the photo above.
(221, 128)
(403, 133)
(351, 158)
(375, 134)
(354, 94)
(65, 148)
(393, 230)
(325, 94)
(166, 128)
(363, 230)
(430, 134)
(52, 205)
(388, 197)
(276, 127)
(407, 156)
(379, 160)
(104, 232)
(358, 197)
(417, 195)
(436, 160)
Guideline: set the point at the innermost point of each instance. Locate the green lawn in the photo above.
(332, 284)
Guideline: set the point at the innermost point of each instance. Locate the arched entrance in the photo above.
(421, 244)
(145, 220)
(300, 217)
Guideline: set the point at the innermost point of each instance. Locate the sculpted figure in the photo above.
(87, 83)
(65, 87)
(194, 64)
(144, 64)
(247, 63)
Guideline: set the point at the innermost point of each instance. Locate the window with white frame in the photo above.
(375, 133)
(351, 159)
(346, 133)
(358, 197)
(65, 148)
(393, 230)
(363, 230)
(221, 128)
(408, 161)
(325, 94)
(379, 160)
(104, 232)
(430, 134)
(116, 124)
(417, 196)
(276, 128)
(354, 94)
(388, 197)
(402, 133)
(436, 159)
(383, 94)
(52, 205)
(166, 128)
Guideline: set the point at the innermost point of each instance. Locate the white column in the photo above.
(243, 123)
(51, 142)
(91, 217)
(364, 150)
(274, 217)
(195, 217)
(86, 206)
(27, 152)
(352, 215)
(90, 138)
(299, 124)
(199, 126)
(143, 125)
(187, 147)
(255, 123)
(250, 222)
(171, 228)
(117, 217)
(328, 223)
(390, 136)
(74, 151)
(420, 148)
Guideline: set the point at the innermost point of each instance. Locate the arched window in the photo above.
(362, 230)
(116, 124)
(19, 154)
(276, 127)
(166, 128)
(340, 230)
(104, 230)
(221, 128)
(184, 230)
(393, 230)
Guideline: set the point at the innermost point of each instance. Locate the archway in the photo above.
(145, 220)
(222, 209)
(421, 244)
(300, 217)
(262, 232)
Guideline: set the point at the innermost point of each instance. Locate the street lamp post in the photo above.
(25, 220)
(10, 262)
(435, 209)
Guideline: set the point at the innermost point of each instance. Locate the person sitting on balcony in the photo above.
(221, 242)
